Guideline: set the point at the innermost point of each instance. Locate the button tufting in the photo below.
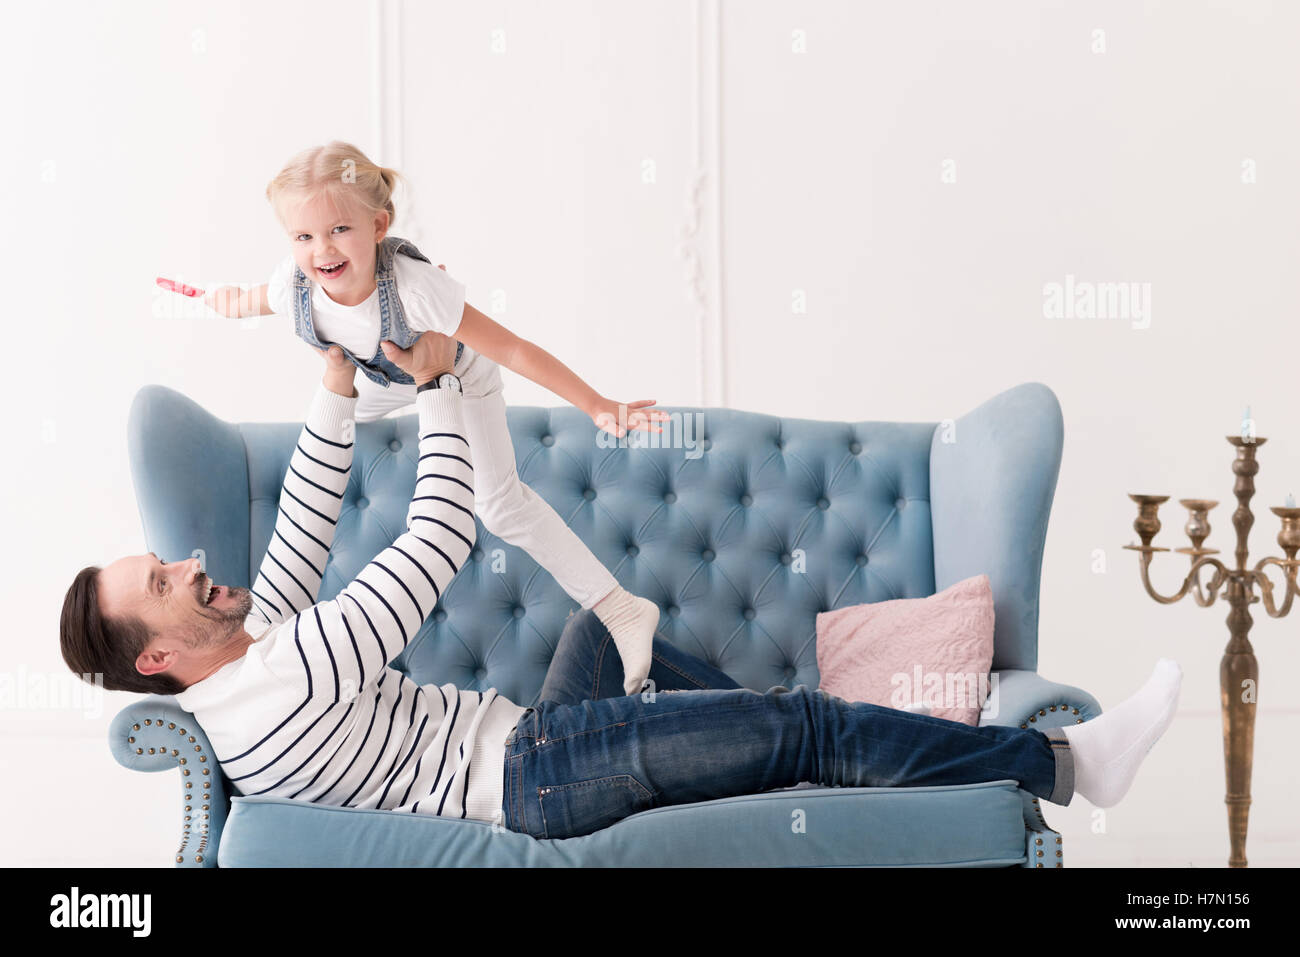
(518, 611)
(861, 560)
(478, 554)
(589, 494)
(746, 499)
(633, 551)
(707, 554)
(707, 444)
(480, 674)
(548, 439)
(362, 502)
(780, 444)
(749, 614)
(900, 503)
(673, 611)
(670, 497)
(786, 558)
(395, 445)
(855, 447)
(823, 503)
(440, 615)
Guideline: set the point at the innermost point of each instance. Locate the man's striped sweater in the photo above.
(312, 711)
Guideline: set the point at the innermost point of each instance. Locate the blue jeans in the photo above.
(586, 756)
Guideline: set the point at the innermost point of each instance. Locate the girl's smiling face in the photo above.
(324, 231)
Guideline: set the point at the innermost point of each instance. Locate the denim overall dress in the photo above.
(392, 319)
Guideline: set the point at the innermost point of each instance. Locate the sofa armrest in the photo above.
(156, 734)
(1043, 846)
(1026, 699)
(992, 479)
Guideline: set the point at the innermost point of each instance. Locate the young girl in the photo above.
(347, 282)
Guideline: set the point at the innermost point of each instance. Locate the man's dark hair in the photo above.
(93, 644)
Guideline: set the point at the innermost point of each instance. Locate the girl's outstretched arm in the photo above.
(488, 337)
(239, 303)
(227, 300)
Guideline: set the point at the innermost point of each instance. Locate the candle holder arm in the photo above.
(1191, 583)
(1288, 567)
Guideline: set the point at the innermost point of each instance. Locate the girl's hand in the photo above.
(227, 300)
(340, 373)
(607, 416)
(180, 287)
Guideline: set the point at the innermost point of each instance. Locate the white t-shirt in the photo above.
(432, 300)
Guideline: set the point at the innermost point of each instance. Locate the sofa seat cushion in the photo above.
(961, 825)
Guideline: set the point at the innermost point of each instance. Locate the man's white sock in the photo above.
(631, 622)
(1108, 749)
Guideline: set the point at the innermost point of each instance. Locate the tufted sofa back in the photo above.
(741, 526)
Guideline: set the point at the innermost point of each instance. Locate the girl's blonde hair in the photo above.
(341, 170)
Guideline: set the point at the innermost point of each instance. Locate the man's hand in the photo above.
(339, 371)
(429, 357)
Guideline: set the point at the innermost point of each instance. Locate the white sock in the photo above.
(1108, 749)
(631, 622)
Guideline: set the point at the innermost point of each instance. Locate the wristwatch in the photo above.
(447, 380)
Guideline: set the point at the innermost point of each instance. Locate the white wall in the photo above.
(797, 153)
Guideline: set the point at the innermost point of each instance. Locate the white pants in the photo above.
(507, 507)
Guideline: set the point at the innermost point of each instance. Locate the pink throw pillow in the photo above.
(935, 650)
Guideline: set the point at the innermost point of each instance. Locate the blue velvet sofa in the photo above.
(741, 526)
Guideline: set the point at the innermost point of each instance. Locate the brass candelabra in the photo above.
(1238, 669)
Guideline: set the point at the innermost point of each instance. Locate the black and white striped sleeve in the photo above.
(310, 500)
(376, 615)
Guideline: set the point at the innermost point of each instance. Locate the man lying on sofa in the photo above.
(298, 700)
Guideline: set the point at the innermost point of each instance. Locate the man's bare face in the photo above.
(174, 599)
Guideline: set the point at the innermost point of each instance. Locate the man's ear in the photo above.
(154, 660)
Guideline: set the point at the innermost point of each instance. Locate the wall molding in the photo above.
(387, 104)
(700, 245)
(700, 235)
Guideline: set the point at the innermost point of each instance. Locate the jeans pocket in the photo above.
(571, 810)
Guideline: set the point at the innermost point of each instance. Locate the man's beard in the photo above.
(221, 623)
